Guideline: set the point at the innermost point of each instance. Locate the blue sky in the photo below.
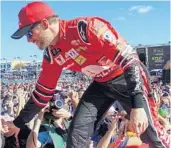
(138, 22)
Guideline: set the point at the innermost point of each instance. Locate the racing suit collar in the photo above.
(62, 31)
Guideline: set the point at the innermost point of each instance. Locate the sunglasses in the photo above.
(29, 34)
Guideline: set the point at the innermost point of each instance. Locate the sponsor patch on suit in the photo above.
(55, 51)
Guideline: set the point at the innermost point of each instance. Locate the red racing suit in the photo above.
(89, 45)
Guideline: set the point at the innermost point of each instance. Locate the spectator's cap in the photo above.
(29, 15)
(165, 93)
(163, 112)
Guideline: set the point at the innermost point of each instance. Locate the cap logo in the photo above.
(19, 24)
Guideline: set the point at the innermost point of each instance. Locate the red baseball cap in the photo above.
(32, 13)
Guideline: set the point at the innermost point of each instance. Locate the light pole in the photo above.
(5, 63)
(32, 60)
(14, 60)
(1, 65)
(20, 64)
(36, 64)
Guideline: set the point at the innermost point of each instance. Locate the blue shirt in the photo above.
(44, 138)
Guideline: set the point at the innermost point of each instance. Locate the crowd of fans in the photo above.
(50, 127)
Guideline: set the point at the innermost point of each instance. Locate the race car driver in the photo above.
(90, 45)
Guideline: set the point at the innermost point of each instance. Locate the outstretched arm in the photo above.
(32, 140)
(41, 95)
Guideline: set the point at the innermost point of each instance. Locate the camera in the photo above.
(57, 102)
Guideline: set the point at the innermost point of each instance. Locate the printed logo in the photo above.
(60, 60)
(72, 53)
(97, 71)
(82, 28)
(108, 35)
(98, 25)
(93, 70)
(72, 26)
(19, 23)
(81, 49)
(102, 31)
(80, 60)
(82, 33)
(55, 51)
(46, 55)
(75, 42)
(103, 61)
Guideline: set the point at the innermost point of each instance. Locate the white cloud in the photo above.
(141, 9)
